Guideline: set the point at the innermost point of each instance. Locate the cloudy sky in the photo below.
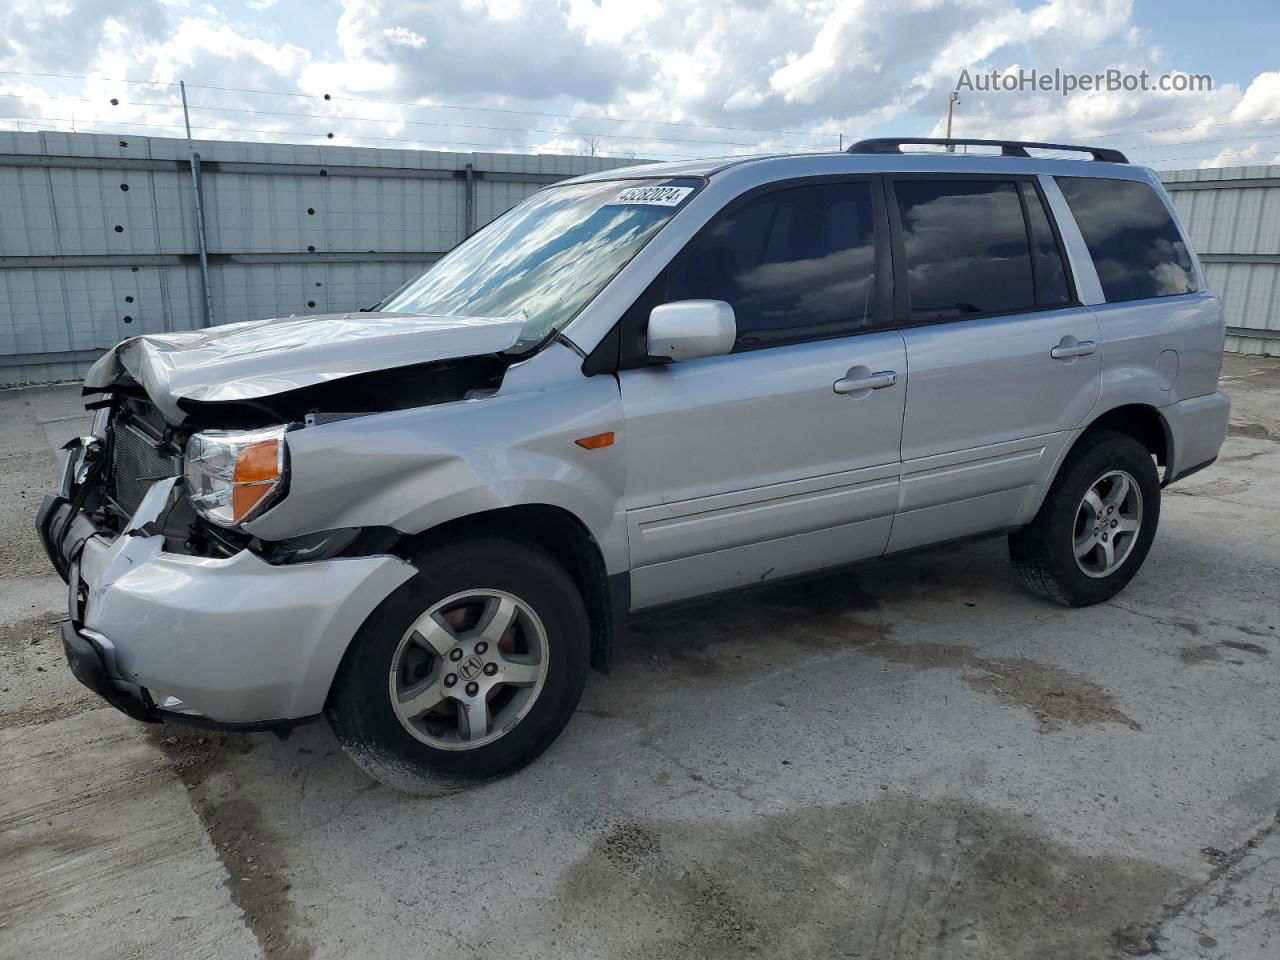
(644, 78)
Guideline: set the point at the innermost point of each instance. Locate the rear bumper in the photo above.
(1198, 428)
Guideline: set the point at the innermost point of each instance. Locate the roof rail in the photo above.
(1008, 148)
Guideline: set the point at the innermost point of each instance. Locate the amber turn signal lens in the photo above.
(596, 441)
(257, 470)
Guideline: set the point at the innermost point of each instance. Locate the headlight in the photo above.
(231, 474)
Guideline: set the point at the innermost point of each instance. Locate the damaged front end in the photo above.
(169, 596)
(269, 371)
(179, 405)
(107, 474)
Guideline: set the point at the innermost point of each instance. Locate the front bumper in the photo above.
(232, 642)
(88, 661)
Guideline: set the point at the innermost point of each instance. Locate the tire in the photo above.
(482, 727)
(1045, 553)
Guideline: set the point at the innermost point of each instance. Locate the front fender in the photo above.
(415, 469)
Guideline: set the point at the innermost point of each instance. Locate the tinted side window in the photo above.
(795, 264)
(1051, 273)
(966, 248)
(1133, 241)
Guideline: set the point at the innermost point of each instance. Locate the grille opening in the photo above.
(136, 464)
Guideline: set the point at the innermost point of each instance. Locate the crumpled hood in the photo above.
(245, 361)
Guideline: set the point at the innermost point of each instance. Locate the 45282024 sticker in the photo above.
(655, 196)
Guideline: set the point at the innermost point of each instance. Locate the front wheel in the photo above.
(469, 670)
(1096, 524)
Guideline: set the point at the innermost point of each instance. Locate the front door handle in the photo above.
(874, 381)
(1069, 348)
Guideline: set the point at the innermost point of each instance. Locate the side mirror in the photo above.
(688, 329)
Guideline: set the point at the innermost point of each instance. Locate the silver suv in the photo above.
(426, 519)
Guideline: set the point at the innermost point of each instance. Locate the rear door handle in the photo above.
(1070, 348)
(875, 381)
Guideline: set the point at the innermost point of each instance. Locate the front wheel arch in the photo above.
(567, 539)
(363, 714)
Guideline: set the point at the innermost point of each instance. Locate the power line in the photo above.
(463, 143)
(634, 139)
(1213, 156)
(1184, 143)
(78, 76)
(640, 139)
(527, 113)
(421, 123)
(324, 136)
(409, 103)
(1189, 126)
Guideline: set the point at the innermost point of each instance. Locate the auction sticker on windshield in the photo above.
(657, 196)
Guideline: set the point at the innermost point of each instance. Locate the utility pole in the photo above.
(952, 99)
(200, 232)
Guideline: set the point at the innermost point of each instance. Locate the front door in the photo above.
(1004, 363)
(781, 457)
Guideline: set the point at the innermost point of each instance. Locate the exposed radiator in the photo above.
(135, 466)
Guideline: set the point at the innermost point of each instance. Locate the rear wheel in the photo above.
(1096, 524)
(468, 671)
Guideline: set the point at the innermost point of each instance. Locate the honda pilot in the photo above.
(426, 520)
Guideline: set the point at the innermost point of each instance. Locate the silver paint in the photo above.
(243, 361)
(690, 329)
(269, 655)
(727, 454)
(725, 470)
(418, 468)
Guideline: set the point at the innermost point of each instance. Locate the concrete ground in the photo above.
(912, 759)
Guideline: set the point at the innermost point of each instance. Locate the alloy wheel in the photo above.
(469, 669)
(1107, 523)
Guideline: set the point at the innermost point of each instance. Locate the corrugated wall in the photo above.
(1233, 216)
(99, 239)
(98, 235)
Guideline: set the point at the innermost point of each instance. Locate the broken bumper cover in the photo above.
(88, 661)
(62, 525)
(230, 642)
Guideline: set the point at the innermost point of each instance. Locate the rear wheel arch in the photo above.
(1141, 421)
(1055, 552)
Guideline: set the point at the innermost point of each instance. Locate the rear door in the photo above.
(771, 460)
(1004, 360)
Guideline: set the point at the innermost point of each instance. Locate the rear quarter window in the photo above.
(1135, 245)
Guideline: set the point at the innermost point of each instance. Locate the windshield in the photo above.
(546, 258)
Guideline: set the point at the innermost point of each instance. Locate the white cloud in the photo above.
(821, 66)
(402, 36)
(1251, 155)
(1261, 100)
(481, 48)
